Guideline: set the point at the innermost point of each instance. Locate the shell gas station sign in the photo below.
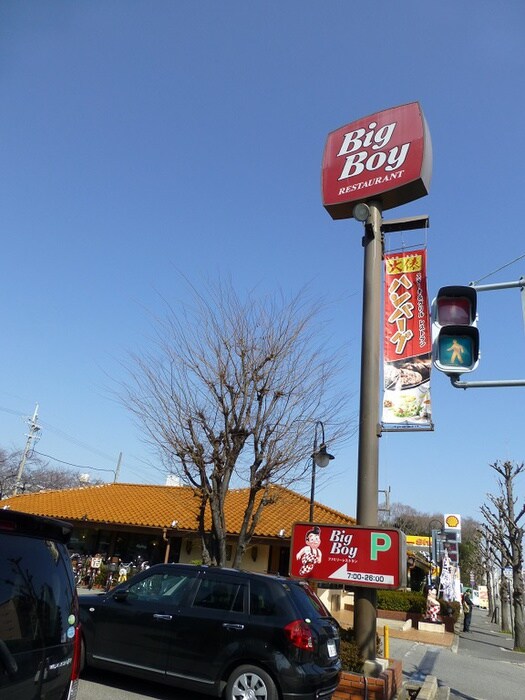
(452, 521)
(358, 556)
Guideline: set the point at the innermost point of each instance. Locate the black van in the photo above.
(39, 628)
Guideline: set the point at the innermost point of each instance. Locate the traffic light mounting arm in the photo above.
(485, 384)
(497, 382)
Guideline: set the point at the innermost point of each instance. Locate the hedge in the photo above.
(414, 602)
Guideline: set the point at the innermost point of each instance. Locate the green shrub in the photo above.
(403, 601)
(414, 602)
(349, 653)
(351, 658)
(100, 578)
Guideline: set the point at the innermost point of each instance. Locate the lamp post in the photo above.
(320, 458)
(434, 520)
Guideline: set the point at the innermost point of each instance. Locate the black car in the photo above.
(39, 629)
(218, 631)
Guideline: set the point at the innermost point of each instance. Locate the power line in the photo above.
(53, 429)
(75, 441)
(520, 257)
(14, 413)
(91, 468)
(70, 464)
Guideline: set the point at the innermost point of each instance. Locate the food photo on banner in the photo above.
(407, 348)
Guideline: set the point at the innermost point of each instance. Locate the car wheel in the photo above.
(83, 663)
(250, 683)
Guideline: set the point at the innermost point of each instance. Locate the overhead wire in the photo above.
(520, 257)
(70, 464)
(140, 472)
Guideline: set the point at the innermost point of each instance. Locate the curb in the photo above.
(428, 690)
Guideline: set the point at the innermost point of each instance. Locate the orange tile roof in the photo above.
(139, 505)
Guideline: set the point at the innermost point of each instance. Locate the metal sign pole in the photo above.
(365, 599)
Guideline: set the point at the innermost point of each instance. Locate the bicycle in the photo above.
(109, 581)
(91, 578)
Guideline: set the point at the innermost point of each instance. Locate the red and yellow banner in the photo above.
(407, 349)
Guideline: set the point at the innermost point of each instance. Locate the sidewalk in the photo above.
(443, 639)
(395, 630)
(480, 626)
(489, 633)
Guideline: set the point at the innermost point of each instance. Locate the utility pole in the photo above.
(385, 508)
(32, 436)
(117, 470)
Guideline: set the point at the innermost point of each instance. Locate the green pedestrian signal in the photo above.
(456, 350)
(455, 336)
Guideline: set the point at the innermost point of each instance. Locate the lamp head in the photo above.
(322, 458)
(361, 211)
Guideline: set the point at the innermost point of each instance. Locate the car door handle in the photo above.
(232, 626)
(157, 616)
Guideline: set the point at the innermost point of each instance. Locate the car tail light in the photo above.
(300, 635)
(75, 666)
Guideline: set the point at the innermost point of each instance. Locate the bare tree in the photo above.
(230, 397)
(489, 561)
(471, 553)
(410, 520)
(8, 470)
(38, 475)
(503, 522)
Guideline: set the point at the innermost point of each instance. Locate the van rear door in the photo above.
(38, 613)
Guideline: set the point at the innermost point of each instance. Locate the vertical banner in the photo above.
(407, 348)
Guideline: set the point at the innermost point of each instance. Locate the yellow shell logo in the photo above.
(452, 521)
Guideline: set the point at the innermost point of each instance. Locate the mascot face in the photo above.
(313, 539)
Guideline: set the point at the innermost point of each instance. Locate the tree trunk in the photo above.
(519, 621)
(494, 604)
(506, 617)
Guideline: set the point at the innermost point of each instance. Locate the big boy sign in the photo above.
(358, 556)
(386, 157)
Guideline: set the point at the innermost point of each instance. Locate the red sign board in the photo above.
(385, 157)
(406, 311)
(357, 556)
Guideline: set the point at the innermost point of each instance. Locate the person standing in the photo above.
(467, 610)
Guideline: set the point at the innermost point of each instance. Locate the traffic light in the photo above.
(455, 336)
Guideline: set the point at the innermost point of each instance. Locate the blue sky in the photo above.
(139, 139)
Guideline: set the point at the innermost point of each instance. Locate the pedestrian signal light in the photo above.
(455, 336)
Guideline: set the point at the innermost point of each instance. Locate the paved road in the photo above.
(480, 666)
(103, 685)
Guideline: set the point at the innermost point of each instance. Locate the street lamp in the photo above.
(320, 458)
(434, 520)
